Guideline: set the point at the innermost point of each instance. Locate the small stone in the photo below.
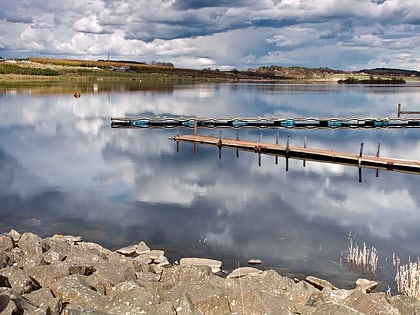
(366, 285)
(254, 261)
(142, 248)
(320, 283)
(128, 250)
(244, 271)
(15, 235)
(156, 254)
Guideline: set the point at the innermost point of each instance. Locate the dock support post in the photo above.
(276, 159)
(304, 145)
(219, 144)
(287, 154)
(195, 133)
(237, 138)
(377, 155)
(399, 110)
(259, 149)
(360, 162)
(177, 142)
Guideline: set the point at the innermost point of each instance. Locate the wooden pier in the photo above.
(405, 112)
(307, 154)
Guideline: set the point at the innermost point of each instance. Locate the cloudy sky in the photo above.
(340, 34)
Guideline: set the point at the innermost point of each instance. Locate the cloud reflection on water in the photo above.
(69, 172)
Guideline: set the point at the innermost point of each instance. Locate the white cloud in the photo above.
(243, 34)
(88, 24)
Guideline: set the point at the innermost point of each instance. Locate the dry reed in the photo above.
(363, 259)
(408, 277)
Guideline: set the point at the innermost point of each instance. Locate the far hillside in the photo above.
(391, 72)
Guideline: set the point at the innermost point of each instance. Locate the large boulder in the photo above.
(75, 290)
(18, 280)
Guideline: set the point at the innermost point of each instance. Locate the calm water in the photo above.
(64, 170)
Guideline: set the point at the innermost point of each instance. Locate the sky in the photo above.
(217, 34)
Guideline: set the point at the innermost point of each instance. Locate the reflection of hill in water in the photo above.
(371, 80)
(84, 86)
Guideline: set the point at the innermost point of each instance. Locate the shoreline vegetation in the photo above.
(53, 70)
(372, 80)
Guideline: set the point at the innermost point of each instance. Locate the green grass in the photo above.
(15, 69)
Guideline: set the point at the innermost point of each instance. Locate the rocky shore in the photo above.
(65, 275)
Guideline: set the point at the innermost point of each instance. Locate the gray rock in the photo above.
(5, 259)
(23, 305)
(30, 244)
(83, 278)
(6, 243)
(69, 239)
(30, 261)
(155, 269)
(100, 283)
(254, 261)
(164, 262)
(366, 285)
(44, 299)
(52, 256)
(75, 310)
(143, 259)
(142, 248)
(46, 275)
(267, 289)
(136, 300)
(18, 280)
(17, 255)
(7, 306)
(329, 308)
(320, 283)
(243, 271)
(156, 255)
(374, 303)
(175, 275)
(83, 270)
(15, 235)
(75, 290)
(176, 281)
(405, 304)
(208, 299)
(215, 265)
(128, 250)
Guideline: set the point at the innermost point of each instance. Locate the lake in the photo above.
(65, 170)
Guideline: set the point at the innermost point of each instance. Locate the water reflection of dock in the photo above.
(307, 154)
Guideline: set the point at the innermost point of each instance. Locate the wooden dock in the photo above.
(307, 154)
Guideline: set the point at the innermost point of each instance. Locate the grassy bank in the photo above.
(47, 69)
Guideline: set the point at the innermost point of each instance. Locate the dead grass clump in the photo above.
(408, 277)
(362, 259)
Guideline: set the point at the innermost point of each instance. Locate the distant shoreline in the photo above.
(53, 70)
